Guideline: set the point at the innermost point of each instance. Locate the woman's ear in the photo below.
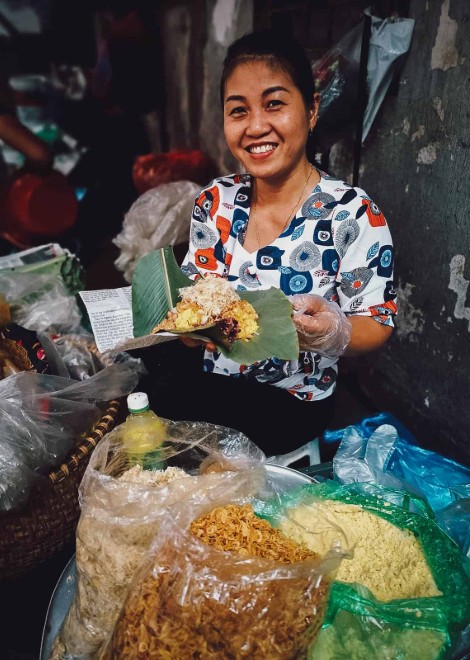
(313, 112)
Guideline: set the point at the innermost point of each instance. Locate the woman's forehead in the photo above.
(257, 74)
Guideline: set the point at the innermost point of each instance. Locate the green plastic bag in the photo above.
(357, 625)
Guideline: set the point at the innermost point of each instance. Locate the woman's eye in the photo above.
(239, 110)
(275, 103)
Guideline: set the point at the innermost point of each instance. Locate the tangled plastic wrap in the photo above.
(191, 599)
(41, 416)
(121, 507)
(41, 302)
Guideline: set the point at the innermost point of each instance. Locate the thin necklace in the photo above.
(289, 217)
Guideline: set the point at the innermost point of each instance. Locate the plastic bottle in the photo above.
(143, 433)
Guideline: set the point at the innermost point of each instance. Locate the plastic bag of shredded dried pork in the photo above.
(412, 571)
(220, 582)
(120, 508)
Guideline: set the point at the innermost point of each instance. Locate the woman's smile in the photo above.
(260, 151)
(266, 121)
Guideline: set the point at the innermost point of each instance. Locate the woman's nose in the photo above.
(258, 124)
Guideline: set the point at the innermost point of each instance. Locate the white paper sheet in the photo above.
(110, 313)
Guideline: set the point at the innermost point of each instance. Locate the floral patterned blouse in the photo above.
(337, 245)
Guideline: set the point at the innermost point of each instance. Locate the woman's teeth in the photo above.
(261, 149)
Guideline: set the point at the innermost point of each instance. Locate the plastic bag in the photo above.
(455, 521)
(40, 418)
(40, 302)
(336, 76)
(159, 217)
(336, 73)
(192, 599)
(76, 356)
(318, 512)
(153, 170)
(384, 453)
(357, 626)
(120, 517)
(412, 514)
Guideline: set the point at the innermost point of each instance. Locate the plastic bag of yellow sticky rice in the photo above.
(401, 593)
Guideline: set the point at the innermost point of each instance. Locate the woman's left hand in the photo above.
(194, 343)
(321, 325)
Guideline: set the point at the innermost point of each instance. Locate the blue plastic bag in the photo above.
(382, 450)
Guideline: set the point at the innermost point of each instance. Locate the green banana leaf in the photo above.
(157, 278)
(155, 285)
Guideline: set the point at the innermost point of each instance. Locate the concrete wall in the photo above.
(195, 36)
(415, 164)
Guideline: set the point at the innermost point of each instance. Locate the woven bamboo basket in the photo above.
(48, 521)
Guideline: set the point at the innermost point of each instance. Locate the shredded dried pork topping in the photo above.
(212, 293)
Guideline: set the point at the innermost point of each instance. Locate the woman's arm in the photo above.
(19, 137)
(323, 327)
(366, 335)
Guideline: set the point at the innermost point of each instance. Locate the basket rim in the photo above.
(87, 444)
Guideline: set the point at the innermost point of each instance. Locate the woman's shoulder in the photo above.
(230, 192)
(229, 181)
(342, 193)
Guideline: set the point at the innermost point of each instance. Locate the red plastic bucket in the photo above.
(36, 206)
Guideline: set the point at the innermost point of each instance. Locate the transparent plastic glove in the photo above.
(321, 326)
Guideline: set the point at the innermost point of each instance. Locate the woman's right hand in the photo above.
(190, 342)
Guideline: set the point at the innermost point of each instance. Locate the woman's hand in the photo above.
(321, 325)
(193, 343)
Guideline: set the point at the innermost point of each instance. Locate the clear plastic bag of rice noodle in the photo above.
(221, 582)
(122, 496)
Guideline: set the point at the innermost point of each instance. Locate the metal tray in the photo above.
(284, 477)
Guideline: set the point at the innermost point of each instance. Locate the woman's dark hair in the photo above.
(278, 51)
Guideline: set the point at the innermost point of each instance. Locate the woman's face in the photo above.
(266, 122)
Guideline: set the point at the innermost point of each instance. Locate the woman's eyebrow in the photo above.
(235, 97)
(275, 88)
(266, 92)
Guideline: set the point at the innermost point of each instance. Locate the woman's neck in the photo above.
(271, 192)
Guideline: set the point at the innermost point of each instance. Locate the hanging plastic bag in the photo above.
(219, 582)
(336, 77)
(390, 40)
(337, 72)
(121, 506)
(159, 217)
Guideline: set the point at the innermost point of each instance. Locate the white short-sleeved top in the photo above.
(338, 245)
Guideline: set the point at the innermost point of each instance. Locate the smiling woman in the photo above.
(287, 225)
